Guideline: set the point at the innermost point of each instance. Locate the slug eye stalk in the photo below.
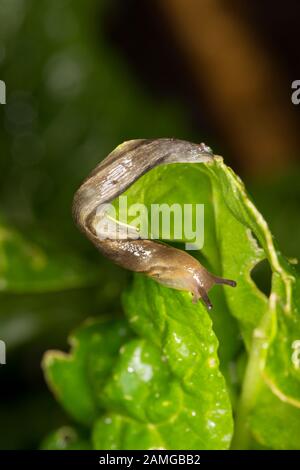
(204, 296)
(227, 282)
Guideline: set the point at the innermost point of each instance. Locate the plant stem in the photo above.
(251, 385)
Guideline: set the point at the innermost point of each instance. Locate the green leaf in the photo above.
(274, 423)
(115, 432)
(26, 267)
(173, 377)
(77, 378)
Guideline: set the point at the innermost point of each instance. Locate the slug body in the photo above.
(128, 162)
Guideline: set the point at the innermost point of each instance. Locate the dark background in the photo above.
(83, 76)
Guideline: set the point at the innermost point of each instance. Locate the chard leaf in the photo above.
(76, 378)
(186, 397)
(274, 423)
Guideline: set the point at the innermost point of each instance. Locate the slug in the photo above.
(169, 266)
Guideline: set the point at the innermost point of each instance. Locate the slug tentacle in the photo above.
(128, 162)
(227, 282)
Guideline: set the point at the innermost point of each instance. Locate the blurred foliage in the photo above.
(278, 198)
(66, 438)
(70, 101)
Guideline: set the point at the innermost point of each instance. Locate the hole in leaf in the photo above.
(261, 274)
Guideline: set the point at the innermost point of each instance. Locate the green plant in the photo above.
(170, 376)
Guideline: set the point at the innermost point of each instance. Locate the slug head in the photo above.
(183, 272)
